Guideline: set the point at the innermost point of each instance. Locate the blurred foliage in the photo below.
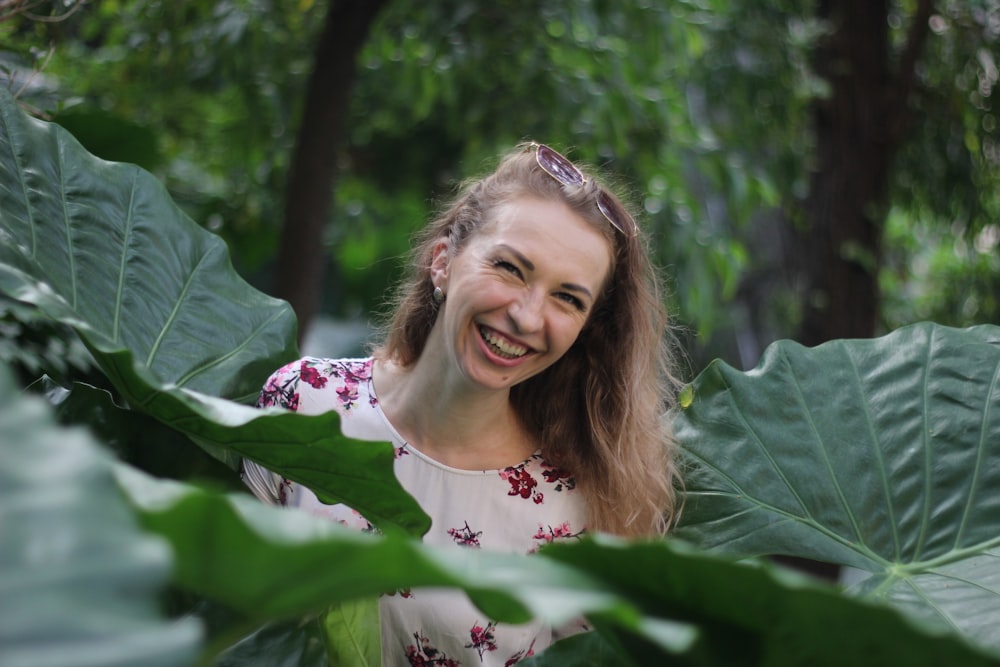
(33, 345)
(699, 108)
(941, 273)
(815, 461)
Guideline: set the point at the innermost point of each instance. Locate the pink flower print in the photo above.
(269, 394)
(348, 394)
(520, 655)
(352, 373)
(284, 489)
(401, 592)
(311, 376)
(465, 536)
(482, 639)
(546, 535)
(521, 483)
(279, 390)
(559, 477)
(356, 372)
(423, 654)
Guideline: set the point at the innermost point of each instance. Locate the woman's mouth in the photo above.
(500, 346)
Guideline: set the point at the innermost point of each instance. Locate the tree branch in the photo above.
(11, 8)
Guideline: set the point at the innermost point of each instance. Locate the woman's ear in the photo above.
(440, 261)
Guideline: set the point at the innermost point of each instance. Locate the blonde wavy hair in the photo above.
(601, 411)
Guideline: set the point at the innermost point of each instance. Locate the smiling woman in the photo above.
(524, 380)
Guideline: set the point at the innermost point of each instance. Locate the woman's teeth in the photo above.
(502, 347)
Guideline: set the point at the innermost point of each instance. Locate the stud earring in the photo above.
(438, 295)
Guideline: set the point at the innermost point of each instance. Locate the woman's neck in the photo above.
(472, 430)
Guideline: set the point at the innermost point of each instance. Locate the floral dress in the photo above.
(517, 509)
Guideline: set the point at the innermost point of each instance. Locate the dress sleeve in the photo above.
(573, 627)
(263, 483)
(280, 390)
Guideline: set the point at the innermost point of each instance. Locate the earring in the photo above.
(438, 296)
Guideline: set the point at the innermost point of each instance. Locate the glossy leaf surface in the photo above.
(101, 247)
(655, 601)
(877, 454)
(79, 579)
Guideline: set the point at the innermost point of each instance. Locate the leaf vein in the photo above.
(174, 311)
(879, 458)
(926, 518)
(20, 178)
(126, 240)
(259, 330)
(806, 519)
(70, 255)
(824, 455)
(980, 454)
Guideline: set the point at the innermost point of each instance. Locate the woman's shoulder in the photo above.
(317, 384)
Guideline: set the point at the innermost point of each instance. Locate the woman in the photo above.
(523, 379)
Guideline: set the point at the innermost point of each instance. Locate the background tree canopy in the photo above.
(807, 169)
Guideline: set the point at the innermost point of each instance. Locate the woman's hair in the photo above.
(602, 410)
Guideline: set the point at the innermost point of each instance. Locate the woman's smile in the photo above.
(519, 292)
(501, 346)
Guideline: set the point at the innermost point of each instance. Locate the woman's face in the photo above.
(519, 291)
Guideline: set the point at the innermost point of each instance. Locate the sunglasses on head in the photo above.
(560, 168)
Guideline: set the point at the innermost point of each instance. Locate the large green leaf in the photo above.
(353, 634)
(252, 557)
(79, 580)
(762, 615)
(587, 649)
(296, 642)
(876, 454)
(101, 247)
(655, 601)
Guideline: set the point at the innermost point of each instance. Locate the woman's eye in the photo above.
(571, 300)
(507, 266)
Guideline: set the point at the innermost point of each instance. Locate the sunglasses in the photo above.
(560, 168)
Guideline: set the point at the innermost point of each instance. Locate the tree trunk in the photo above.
(846, 204)
(858, 128)
(312, 173)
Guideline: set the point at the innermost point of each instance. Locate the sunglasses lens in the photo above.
(615, 215)
(564, 171)
(558, 167)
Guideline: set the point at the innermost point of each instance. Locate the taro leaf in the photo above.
(587, 649)
(79, 580)
(348, 631)
(101, 247)
(294, 642)
(252, 557)
(762, 615)
(876, 454)
(276, 563)
(658, 602)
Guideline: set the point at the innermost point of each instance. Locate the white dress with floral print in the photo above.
(517, 509)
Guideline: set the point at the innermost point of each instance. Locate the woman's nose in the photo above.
(526, 312)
